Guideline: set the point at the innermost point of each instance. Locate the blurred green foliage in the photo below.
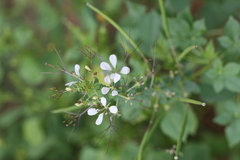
(31, 30)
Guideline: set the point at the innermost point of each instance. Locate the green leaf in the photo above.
(191, 87)
(130, 110)
(186, 15)
(171, 123)
(231, 69)
(209, 51)
(225, 42)
(232, 132)
(199, 27)
(218, 85)
(135, 12)
(233, 108)
(232, 83)
(223, 118)
(215, 71)
(217, 65)
(208, 95)
(148, 30)
(232, 29)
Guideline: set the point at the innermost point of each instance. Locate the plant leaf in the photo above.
(232, 132)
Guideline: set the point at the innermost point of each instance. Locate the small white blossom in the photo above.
(71, 83)
(105, 90)
(76, 68)
(112, 109)
(114, 76)
(99, 119)
(94, 111)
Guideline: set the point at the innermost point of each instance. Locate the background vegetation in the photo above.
(31, 30)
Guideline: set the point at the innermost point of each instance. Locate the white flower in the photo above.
(114, 76)
(76, 68)
(70, 83)
(94, 111)
(112, 109)
(105, 90)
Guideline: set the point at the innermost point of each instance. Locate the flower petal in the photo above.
(114, 93)
(113, 60)
(113, 109)
(105, 90)
(77, 68)
(107, 79)
(92, 111)
(105, 66)
(125, 70)
(115, 76)
(70, 83)
(99, 119)
(103, 101)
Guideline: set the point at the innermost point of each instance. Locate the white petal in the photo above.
(116, 77)
(113, 109)
(125, 70)
(112, 76)
(105, 66)
(113, 60)
(114, 93)
(105, 90)
(70, 83)
(77, 68)
(92, 111)
(107, 79)
(103, 101)
(99, 119)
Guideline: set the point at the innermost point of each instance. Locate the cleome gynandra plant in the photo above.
(112, 92)
(101, 95)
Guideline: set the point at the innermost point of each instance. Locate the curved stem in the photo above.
(120, 30)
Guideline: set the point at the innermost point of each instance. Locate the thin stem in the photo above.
(164, 19)
(151, 128)
(185, 52)
(184, 122)
(63, 70)
(167, 33)
(120, 30)
(201, 71)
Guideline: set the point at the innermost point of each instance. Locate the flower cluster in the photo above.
(94, 94)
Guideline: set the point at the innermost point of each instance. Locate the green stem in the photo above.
(164, 19)
(120, 30)
(185, 52)
(201, 71)
(179, 142)
(167, 33)
(148, 134)
(67, 109)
